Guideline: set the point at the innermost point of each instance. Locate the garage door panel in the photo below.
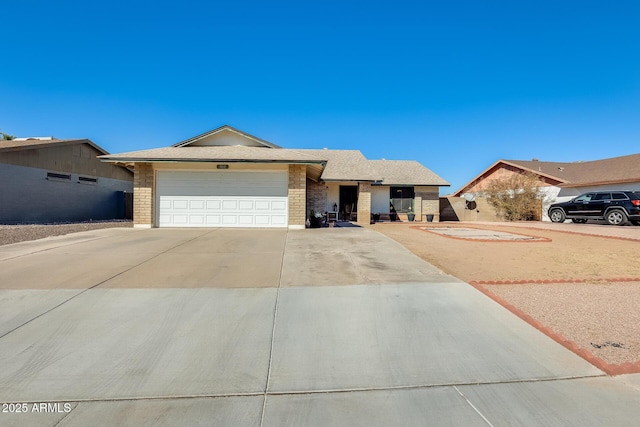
(229, 219)
(230, 205)
(262, 205)
(245, 205)
(180, 204)
(213, 220)
(214, 204)
(213, 199)
(279, 205)
(196, 204)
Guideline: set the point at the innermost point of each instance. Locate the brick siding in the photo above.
(316, 196)
(297, 195)
(364, 203)
(143, 195)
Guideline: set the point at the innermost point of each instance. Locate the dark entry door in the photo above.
(348, 201)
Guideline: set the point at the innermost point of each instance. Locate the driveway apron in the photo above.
(274, 327)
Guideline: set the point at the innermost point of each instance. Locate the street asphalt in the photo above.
(261, 327)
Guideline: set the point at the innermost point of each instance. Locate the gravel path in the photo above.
(21, 233)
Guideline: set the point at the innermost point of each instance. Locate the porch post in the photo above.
(143, 195)
(297, 196)
(364, 203)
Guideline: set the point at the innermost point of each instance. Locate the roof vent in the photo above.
(560, 169)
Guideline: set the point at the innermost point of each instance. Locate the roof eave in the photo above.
(585, 184)
(202, 160)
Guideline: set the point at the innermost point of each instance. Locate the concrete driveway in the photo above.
(270, 327)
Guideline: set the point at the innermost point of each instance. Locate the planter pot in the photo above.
(315, 222)
(429, 217)
(376, 217)
(412, 217)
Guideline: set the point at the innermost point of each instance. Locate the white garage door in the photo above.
(222, 199)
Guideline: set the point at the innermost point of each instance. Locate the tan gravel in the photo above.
(601, 315)
(21, 233)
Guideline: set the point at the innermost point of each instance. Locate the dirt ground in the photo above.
(599, 313)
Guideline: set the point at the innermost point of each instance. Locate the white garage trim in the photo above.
(222, 199)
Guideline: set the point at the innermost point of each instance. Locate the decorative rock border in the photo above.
(534, 239)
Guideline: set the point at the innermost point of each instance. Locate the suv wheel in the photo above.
(557, 215)
(579, 220)
(616, 217)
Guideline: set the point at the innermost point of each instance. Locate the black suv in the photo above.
(617, 207)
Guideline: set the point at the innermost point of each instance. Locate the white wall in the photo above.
(333, 195)
(379, 199)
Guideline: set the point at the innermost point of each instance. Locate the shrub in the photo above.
(517, 197)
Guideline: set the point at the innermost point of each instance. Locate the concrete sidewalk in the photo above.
(351, 329)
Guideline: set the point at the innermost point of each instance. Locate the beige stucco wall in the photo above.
(227, 137)
(457, 209)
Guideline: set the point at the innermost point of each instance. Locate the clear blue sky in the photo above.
(455, 85)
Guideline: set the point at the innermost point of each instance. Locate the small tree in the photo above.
(6, 136)
(517, 197)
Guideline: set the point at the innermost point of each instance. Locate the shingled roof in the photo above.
(345, 165)
(214, 154)
(606, 171)
(406, 172)
(614, 170)
(19, 144)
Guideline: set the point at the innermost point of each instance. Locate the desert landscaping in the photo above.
(579, 288)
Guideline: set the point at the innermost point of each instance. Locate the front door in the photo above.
(348, 201)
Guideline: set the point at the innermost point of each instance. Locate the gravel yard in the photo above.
(21, 233)
(600, 314)
(600, 317)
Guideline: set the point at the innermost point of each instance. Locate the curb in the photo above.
(609, 369)
(548, 281)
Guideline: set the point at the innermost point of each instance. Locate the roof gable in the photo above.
(574, 174)
(225, 136)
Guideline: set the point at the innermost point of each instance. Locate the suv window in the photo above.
(584, 197)
(602, 196)
(619, 196)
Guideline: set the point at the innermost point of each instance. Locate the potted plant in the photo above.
(410, 215)
(315, 219)
(376, 217)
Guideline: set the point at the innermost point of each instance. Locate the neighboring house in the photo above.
(228, 178)
(52, 180)
(563, 181)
